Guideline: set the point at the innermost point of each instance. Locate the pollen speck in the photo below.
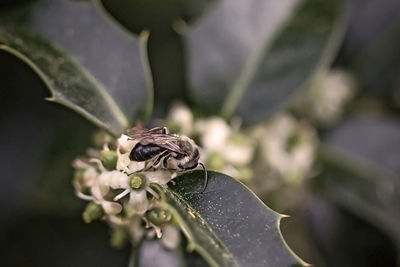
(191, 214)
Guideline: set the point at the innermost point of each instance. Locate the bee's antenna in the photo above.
(205, 177)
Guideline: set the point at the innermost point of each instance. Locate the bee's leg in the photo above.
(162, 155)
(154, 193)
(157, 161)
(161, 130)
(165, 161)
(145, 168)
(165, 130)
(205, 178)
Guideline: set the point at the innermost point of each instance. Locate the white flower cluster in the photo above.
(223, 147)
(119, 192)
(287, 147)
(324, 101)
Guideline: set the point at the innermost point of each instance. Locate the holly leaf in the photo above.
(88, 63)
(250, 57)
(227, 224)
(362, 187)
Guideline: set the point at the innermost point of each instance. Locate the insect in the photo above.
(165, 151)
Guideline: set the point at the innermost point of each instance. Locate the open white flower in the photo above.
(84, 176)
(135, 185)
(88, 180)
(288, 147)
(224, 148)
(117, 187)
(324, 101)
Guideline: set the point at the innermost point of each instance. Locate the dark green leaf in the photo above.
(227, 224)
(43, 240)
(165, 46)
(166, 57)
(363, 188)
(154, 15)
(248, 58)
(39, 142)
(88, 63)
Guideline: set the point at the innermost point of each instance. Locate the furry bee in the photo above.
(165, 151)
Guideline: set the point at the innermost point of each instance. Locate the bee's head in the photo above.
(192, 155)
(187, 145)
(193, 160)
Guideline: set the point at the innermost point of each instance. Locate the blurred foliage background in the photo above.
(347, 216)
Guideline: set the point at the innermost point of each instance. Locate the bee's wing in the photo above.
(136, 133)
(156, 137)
(168, 142)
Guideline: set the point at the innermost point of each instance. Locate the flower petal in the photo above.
(125, 143)
(115, 179)
(138, 201)
(124, 163)
(99, 190)
(111, 207)
(158, 177)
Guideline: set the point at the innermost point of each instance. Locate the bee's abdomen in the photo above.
(145, 152)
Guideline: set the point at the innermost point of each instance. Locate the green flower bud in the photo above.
(92, 212)
(158, 216)
(119, 237)
(109, 159)
(138, 181)
(101, 137)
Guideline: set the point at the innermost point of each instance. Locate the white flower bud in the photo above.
(238, 154)
(181, 116)
(215, 132)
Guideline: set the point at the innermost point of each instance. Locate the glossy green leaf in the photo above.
(39, 142)
(154, 15)
(49, 240)
(363, 188)
(250, 57)
(227, 224)
(89, 64)
(165, 46)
